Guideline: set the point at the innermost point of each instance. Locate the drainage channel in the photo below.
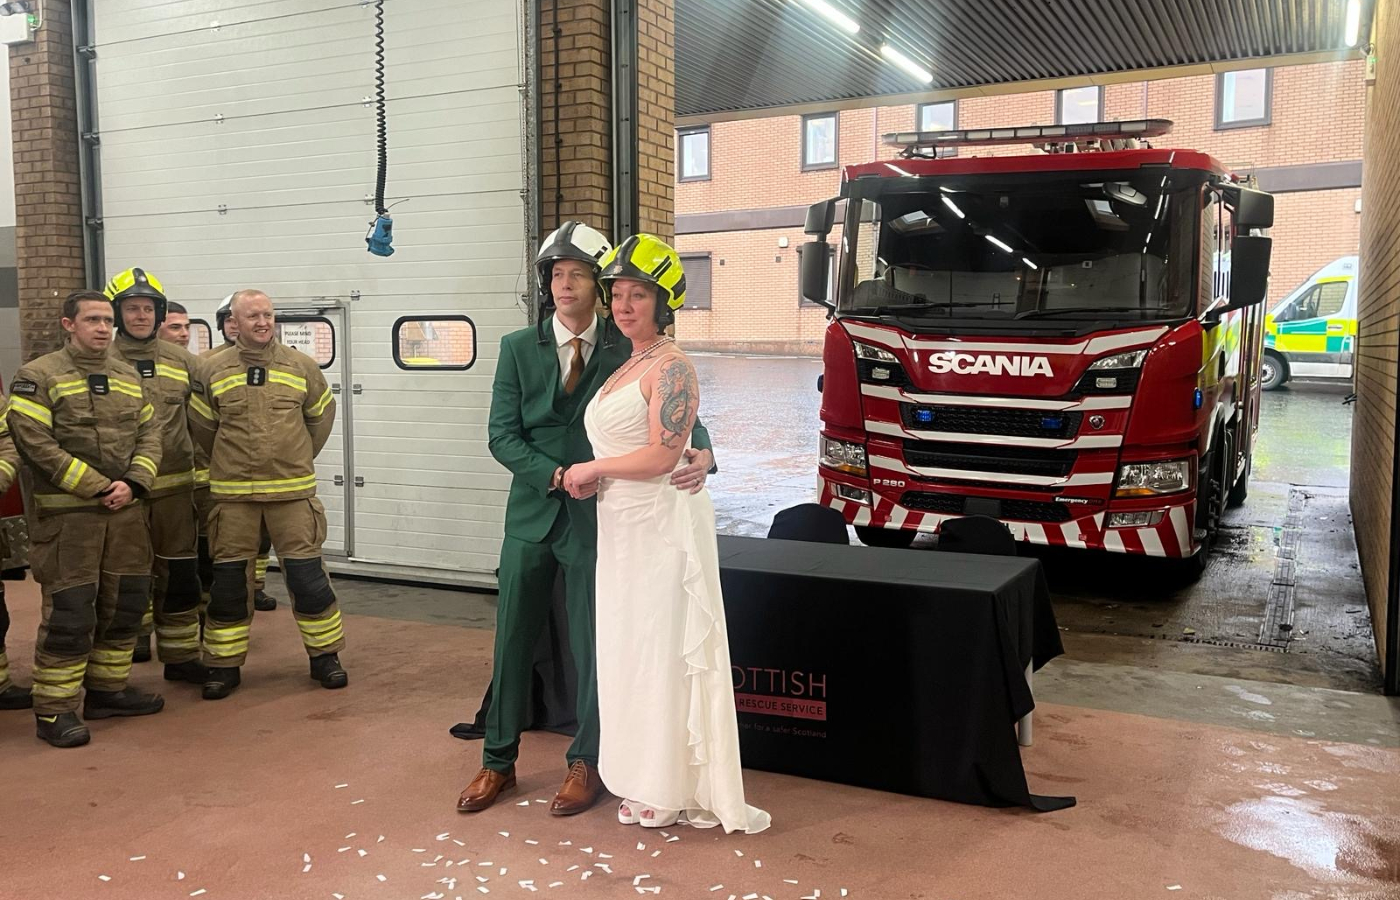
(1276, 631)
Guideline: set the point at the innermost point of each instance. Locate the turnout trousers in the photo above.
(95, 572)
(173, 613)
(297, 529)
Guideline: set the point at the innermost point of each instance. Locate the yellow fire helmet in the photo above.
(135, 282)
(646, 257)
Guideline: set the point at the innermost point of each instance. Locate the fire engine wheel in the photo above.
(1273, 372)
(1210, 505)
(900, 538)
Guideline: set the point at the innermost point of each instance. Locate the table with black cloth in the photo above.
(896, 670)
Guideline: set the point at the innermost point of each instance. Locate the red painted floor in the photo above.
(236, 795)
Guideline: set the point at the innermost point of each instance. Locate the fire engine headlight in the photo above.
(844, 456)
(1150, 479)
(878, 354)
(1130, 360)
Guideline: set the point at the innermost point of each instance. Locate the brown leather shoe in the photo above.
(581, 790)
(485, 788)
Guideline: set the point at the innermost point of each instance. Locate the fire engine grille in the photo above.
(986, 458)
(1017, 510)
(988, 420)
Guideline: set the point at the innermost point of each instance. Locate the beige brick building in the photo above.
(1299, 129)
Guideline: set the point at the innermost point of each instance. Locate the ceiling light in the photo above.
(919, 73)
(833, 15)
(1029, 264)
(1000, 243)
(948, 202)
(1353, 22)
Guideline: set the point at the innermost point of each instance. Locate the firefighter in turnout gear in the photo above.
(90, 444)
(262, 602)
(139, 307)
(12, 696)
(263, 411)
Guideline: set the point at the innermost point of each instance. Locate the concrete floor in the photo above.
(1227, 763)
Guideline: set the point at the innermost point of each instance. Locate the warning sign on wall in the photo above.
(299, 336)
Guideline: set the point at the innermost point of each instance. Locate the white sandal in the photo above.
(630, 812)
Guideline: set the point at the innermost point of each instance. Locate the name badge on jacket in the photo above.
(257, 376)
(97, 384)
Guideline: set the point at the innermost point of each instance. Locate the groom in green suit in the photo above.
(545, 377)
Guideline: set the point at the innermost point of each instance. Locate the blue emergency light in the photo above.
(923, 415)
(1052, 423)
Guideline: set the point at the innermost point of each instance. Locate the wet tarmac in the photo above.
(764, 416)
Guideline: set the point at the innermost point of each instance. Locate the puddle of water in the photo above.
(1329, 846)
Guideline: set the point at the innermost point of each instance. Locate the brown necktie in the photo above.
(575, 366)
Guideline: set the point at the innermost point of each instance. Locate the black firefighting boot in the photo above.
(262, 602)
(16, 697)
(62, 730)
(142, 651)
(126, 702)
(328, 671)
(219, 683)
(192, 672)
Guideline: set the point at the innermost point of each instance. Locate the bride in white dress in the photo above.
(669, 739)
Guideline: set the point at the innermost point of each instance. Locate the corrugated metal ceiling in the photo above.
(735, 55)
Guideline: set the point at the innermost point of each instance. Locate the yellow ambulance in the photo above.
(1312, 333)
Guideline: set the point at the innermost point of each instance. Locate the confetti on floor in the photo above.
(750, 897)
(604, 866)
(543, 861)
(572, 869)
(641, 846)
(483, 879)
(104, 877)
(444, 836)
(789, 881)
(306, 857)
(587, 849)
(1174, 887)
(381, 839)
(381, 878)
(137, 858)
(338, 896)
(605, 856)
(672, 839)
(342, 849)
(655, 854)
(587, 873)
(339, 786)
(555, 884)
(197, 893)
(363, 853)
(566, 843)
(845, 893)
(350, 835)
(179, 876)
(523, 803)
(638, 880)
(458, 843)
(484, 890)
(718, 887)
(504, 833)
(758, 864)
(503, 870)
(306, 868)
(356, 802)
(739, 853)
(532, 843)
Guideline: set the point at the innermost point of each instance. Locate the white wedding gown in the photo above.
(669, 735)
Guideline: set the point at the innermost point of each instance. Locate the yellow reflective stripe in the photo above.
(224, 385)
(109, 657)
(147, 412)
(226, 641)
(173, 373)
(321, 404)
(321, 633)
(73, 474)
(64, 501)
(8, 469)
(277, 376)
(68, 389)
(277, 486)
(178, 479)
(201, 476)
(33, 410)
(125, 387)
(203, 408)
(144, 462)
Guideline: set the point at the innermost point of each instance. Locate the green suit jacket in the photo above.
(535, 427)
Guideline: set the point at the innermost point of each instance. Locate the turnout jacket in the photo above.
(9, 469)
(165, 369)
(201, 456)
(262, 415)
(80, 422)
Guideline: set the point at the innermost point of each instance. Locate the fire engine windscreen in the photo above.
(1027, 246)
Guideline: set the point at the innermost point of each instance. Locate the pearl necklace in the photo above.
(636, 357)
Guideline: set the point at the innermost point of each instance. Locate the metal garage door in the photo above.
(237, 149)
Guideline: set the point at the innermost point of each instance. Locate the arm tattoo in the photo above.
(680, 398)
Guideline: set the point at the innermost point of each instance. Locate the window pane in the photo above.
(314, 337)
(1331, 298)
(1079, 105)
(938, 116)
(426, 343)
(695, 154)
(1244, 96)
(820, 144)
(201, 336)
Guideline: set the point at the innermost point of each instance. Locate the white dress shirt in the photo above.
(562, 336)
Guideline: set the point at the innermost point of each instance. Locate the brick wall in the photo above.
(48, 199)
(1318, 115)
(656, 104)
(1373, 431)
(576, 165)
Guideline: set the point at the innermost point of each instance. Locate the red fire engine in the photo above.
(1067, 340)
